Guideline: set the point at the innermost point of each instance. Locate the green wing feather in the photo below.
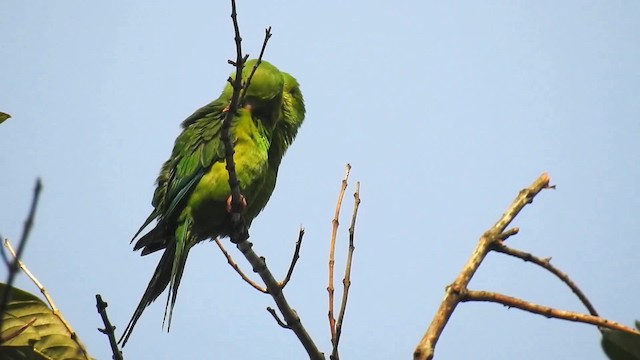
(184, 169)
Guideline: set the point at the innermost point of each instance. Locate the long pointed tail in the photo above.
(182, 245)
(159, 281)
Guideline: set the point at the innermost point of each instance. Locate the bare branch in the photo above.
(291, 318)
(332, 250)
(108, 328)
(509, 233)
(267, 36)
(294, 259)
(546, 264)
(470, 295)
(272, 311)
(235, 267)
(346, 282)
(426, 347)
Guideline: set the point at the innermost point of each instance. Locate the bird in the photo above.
(192, 190)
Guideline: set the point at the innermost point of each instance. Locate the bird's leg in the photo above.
(243, 202)
(247, 106)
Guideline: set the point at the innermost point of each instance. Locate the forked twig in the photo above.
(109, 329)
(346, 282)
(426, 347)
(332, 249)
(546, 264)
(291, 318)
(245, 87)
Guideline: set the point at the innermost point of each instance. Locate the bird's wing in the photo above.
(195, 150)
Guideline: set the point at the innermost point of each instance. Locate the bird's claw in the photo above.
(243, 203)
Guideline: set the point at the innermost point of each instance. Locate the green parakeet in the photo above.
(190, 200)
(284, 133)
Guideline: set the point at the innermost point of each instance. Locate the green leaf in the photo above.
(33, 332)
(3, 117)
(619, 345)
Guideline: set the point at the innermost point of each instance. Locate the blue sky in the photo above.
(444, 109)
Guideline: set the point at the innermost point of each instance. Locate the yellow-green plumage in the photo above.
(292, 116)
(192, 188)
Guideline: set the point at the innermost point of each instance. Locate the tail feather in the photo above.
(159, 281)
(182, 245)
(154, 240)
(168, 272)
(154, 214)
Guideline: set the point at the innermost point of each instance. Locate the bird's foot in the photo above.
(243, 203)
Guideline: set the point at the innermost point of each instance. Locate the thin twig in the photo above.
(5, 258)
(471, 295)
(272, 311)
(332, 249)
(235, 267)
(13, 269)
(31, 277)
(346, 282)
(267, 36)
(426, 347)
(108, 328)
(509, 233)
(294, 259)
(546, 264)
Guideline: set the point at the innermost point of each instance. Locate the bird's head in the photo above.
(264, 95)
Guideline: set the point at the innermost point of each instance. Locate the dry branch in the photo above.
(332, 250)
(546, 264)
(426, 347)
(294, 259)
(512, 302)
(346, 281)
(235, 267)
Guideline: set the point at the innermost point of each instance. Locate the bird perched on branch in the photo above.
(192, 193)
